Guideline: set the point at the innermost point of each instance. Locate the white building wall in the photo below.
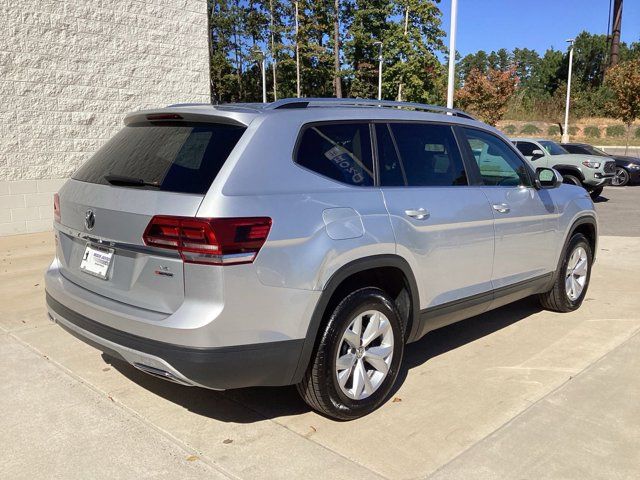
(69, 71)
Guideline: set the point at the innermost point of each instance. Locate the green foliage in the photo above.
(592, 131)
(510, 129)
(615, 131)
(530, 129)
(241, 31)
(637, 134)
(573, 131)
(553, 131)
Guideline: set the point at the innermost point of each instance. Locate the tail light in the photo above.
(56, 208)
(214, 241)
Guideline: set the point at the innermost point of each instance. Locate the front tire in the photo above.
(572, 279)
(621, 178)
(358, 357)
(571, 180)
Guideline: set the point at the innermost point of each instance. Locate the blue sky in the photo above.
(536, 24)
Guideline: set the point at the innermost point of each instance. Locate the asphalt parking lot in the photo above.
(514, 393)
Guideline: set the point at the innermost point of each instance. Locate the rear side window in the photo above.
(183, 158)
(340, 151)
(419, 155)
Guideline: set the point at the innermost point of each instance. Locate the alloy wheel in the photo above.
(620, 178)
(364, 354)
(576, 274)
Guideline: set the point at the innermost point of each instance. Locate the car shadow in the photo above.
(248, 405)
(601, 199)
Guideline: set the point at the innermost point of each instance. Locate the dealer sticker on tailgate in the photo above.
(96, 261)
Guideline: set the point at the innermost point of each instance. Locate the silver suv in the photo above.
(306, 242)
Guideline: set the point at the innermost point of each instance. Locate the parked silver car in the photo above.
(306, 242)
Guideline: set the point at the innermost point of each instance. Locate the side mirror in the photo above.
(548, 178)
(537, 154)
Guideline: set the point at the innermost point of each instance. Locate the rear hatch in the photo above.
(149, 168)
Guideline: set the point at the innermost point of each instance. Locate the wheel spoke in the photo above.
(568, 285)
(581, 267)
(359, 373)
(344, 375)
(372, 330)
(368, 387)
(376, 361)
(346, 361)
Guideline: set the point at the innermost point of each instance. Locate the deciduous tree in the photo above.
(487, 95)
(624, 81)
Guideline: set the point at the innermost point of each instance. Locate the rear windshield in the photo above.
(182, 158)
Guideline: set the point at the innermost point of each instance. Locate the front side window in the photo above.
(340, 151)
(498, 163)
(419, 155)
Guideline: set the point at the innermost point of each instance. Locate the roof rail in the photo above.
(361, 102)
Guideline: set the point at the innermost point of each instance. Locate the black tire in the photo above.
(595, 192)
(571, 180)
(319, 388)
(557, 298)
(621, 178)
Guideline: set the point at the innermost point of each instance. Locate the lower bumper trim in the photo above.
(218, 368)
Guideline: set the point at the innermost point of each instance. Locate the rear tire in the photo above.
(340, 382)
(572, 279)
(595, 193)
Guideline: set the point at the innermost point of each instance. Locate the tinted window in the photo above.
(527, 148)
(391, 170)
(341, 151)
(498, 163)
(553, 148)
(175, 158)
(575, 149)
(417, 154)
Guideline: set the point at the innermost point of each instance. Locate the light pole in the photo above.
(263, 68)
(379, 43)
(452, 53)
(565, 131)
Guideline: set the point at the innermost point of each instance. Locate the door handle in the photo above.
(418, 214)
(501, 207)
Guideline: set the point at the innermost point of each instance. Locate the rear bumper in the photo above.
(219, 368)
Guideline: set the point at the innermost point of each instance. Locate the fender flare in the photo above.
(571, 168)
(583, 220)
(344, 272)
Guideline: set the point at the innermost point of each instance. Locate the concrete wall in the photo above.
(69, 71)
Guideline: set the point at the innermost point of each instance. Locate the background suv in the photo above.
(627, 168)
(306, 242)
(592, 173)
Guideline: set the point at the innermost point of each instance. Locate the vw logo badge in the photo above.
(89, 219)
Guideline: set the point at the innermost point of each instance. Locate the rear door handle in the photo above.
(418, 214)
(501, 207)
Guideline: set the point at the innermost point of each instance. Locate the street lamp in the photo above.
(379, 43)
(452, 53)
(263, 68)
(565, 132)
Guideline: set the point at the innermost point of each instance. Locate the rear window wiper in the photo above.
(123, 181)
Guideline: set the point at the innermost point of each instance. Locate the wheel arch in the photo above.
(571, 170)
(588, 226)
(378, 270)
